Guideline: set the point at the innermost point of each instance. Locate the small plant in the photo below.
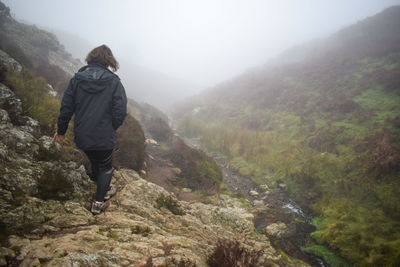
(100, 232)
(113, 234)
(129, 152)
(172, 262)
(229, 253)
(140, 230)
(53, 184)
(36, 102)
(169, 203)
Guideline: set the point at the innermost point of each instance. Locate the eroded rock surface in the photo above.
(135, 229)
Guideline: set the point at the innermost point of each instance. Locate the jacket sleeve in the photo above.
(119, 103)
(66, 110)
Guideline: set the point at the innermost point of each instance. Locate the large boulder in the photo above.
(10, 63)
(34, 182)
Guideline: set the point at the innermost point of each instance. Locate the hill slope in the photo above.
(325, 119)
(45, 193)
(45, 197)
(38, 50)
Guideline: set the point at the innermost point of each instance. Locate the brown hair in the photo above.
(102, 55)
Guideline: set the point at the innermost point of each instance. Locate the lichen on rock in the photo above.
(133, 231)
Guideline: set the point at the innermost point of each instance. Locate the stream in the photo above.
(275, 214)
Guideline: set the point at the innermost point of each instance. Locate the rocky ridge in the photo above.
(44, 217)
(136, 229)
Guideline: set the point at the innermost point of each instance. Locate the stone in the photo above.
(151, 141)
(48, 144)
(282, 186)
(253, 193)
(6, 252)
(10, 103)
(30, 125)
(276, 229)
(133, 229)
(10, 63)
(3, 152)
(4, 118)
(264, 187)
(258, 203)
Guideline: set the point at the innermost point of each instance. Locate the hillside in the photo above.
(323, 118)
(46, 192)
(38, 50)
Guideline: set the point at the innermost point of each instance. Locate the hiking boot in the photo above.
(111, 192)
(97, 207)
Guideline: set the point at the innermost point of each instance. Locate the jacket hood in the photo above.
(94, 78)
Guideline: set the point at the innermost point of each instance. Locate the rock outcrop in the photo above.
(45, 221)
(137, 229)
(33, 178)
(44, 213)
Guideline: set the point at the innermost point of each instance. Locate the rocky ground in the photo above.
(138, 228)
(45, 221)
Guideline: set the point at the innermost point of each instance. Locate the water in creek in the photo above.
(272, 209)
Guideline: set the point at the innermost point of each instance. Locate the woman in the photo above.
(97, 98)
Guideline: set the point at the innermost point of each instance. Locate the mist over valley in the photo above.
(258, 133)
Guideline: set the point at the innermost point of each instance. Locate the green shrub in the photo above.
(366, 236)
(210, 170)
(53, 184)
(199, 172)
(36, 102)
(229, 253)
(130, 147)
(140, 230)
(158, 129)
(327, 255)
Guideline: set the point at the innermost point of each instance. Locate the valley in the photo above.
(275, 214)
(326, 126)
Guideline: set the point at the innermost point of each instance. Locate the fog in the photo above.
(201, 42)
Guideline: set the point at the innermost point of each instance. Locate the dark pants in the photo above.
(101, 161)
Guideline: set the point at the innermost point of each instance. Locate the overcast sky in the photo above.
(203, 41)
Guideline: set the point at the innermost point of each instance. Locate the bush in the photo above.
(199, 172)
(158, 129)
(36, 102)
(130, 147)
(229, 253)
(53, 184)
(366, 236)
(327, 255)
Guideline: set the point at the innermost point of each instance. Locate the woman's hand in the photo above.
(59, 138)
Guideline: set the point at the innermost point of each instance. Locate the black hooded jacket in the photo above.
(97, 98)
